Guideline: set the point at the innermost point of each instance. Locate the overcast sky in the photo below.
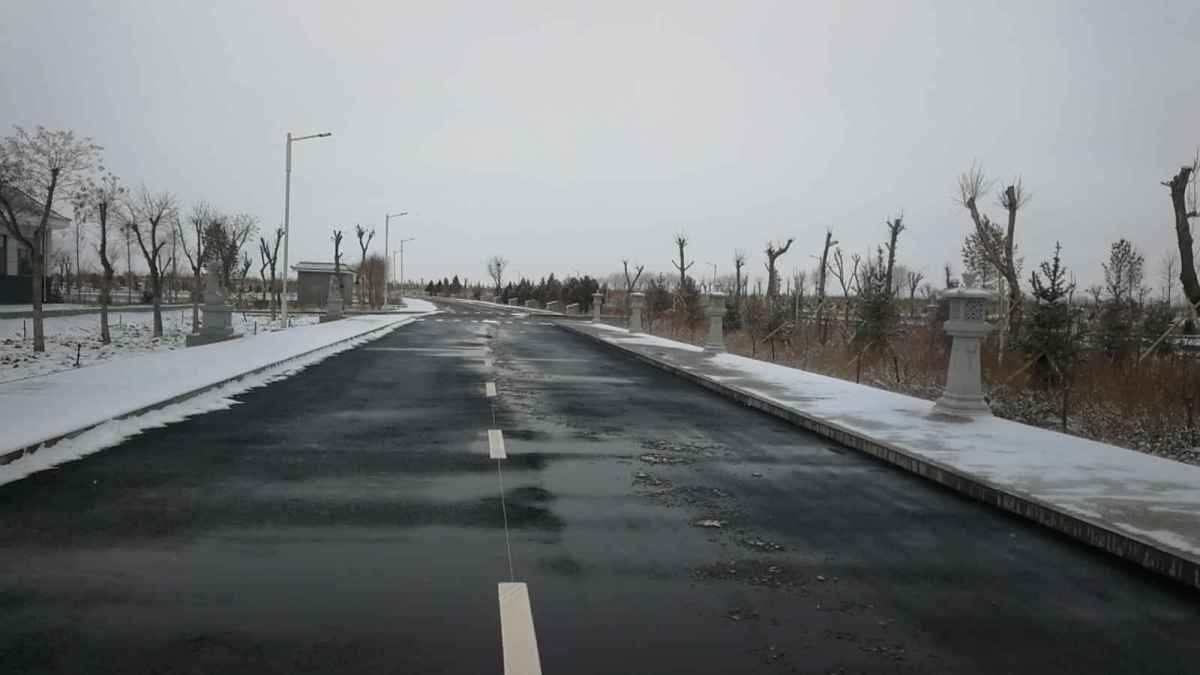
(568, 135)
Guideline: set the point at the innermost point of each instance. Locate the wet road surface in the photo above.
(349, 520)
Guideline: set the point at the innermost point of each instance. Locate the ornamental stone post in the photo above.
(573, 309)
(967, 325)
(217, 322)
(637, 303)
(597, 303)
(554, 306)
(715, 311)
(531, 304)
(334, 300)
(512, 302)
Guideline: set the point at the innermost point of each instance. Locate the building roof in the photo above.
(29, 212)
(321, 267)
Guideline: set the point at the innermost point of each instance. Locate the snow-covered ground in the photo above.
(1146, 498)
(131, 334)
(91, 400)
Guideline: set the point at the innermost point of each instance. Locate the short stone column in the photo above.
(495, 299)
(217, 316)
(554, 306)
(597, 305)
(531, 304)
(573, 309)
(715, 311)
(333, 301)
(967, 325)
(637, 303)
(512, 302)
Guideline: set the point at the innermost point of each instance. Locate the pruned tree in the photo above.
(270, 256)
(101, 199)
(913, 281)
(337, 259)
(631, 281)
(1184, 210)
(495, 267)
(998, 245)
(36, 170)
(895, 227)
(847, 278)
(822, 276)
(683, 266)
(149, 215)
(364, 241)
(774, 251)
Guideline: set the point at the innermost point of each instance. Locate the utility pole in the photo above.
(390, 275)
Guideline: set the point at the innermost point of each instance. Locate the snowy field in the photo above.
(131, 334)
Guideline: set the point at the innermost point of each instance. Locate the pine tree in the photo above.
(1049, 328)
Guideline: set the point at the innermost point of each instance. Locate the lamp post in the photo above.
(287, 207)
(387, 221)
(402, 243)
(714, 266)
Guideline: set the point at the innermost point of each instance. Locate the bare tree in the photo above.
(895, 227)
(148, 214)
(36, 169)
(774, 251)
(683, 266)
(631, 281)
(997, 246)
(1184, 212)
(270, 255)
(913, 280)
(198, 220)
(1169, 265)
(495, 267)
(364, 241)
(337, 259)
(99, 199)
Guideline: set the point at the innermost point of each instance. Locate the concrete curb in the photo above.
(1149, 555)
(13, 455)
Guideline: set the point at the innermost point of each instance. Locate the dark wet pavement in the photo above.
(348, 520)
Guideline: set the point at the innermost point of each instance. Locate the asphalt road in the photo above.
(349, 520)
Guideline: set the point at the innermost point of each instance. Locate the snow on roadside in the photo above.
(131, 334)
(114, 431)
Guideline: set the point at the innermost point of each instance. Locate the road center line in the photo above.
(496, 444)
(489, 389)
(516, 631)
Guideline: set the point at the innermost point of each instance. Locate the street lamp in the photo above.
(287, 207)
(387, 221)
(402, 242)
(714, 266)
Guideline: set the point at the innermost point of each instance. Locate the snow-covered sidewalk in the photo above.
(1137, 506)
(44, 409)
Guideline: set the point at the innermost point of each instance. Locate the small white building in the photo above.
(16, 263)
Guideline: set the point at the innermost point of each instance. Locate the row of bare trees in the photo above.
(42, 169)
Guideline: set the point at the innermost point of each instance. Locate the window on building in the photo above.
(24, 261)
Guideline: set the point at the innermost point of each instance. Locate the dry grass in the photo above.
(1151, 407)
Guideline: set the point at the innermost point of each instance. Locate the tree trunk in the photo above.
(1183, 234)
(39, 331)
(156, 286)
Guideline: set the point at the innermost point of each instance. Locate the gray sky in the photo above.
(567, 135)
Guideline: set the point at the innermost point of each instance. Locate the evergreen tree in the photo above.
(1049, 328)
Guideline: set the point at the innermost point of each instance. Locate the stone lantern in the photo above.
(333, 300)
(637, 302)
(967, 325)
(715, 311)
(597, 304)
(217, 322)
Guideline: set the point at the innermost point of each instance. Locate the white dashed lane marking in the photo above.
(516, 631)
(496, 444)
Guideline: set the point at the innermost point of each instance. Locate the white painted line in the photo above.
(489, 389)
(516, 631)
(496, 444)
